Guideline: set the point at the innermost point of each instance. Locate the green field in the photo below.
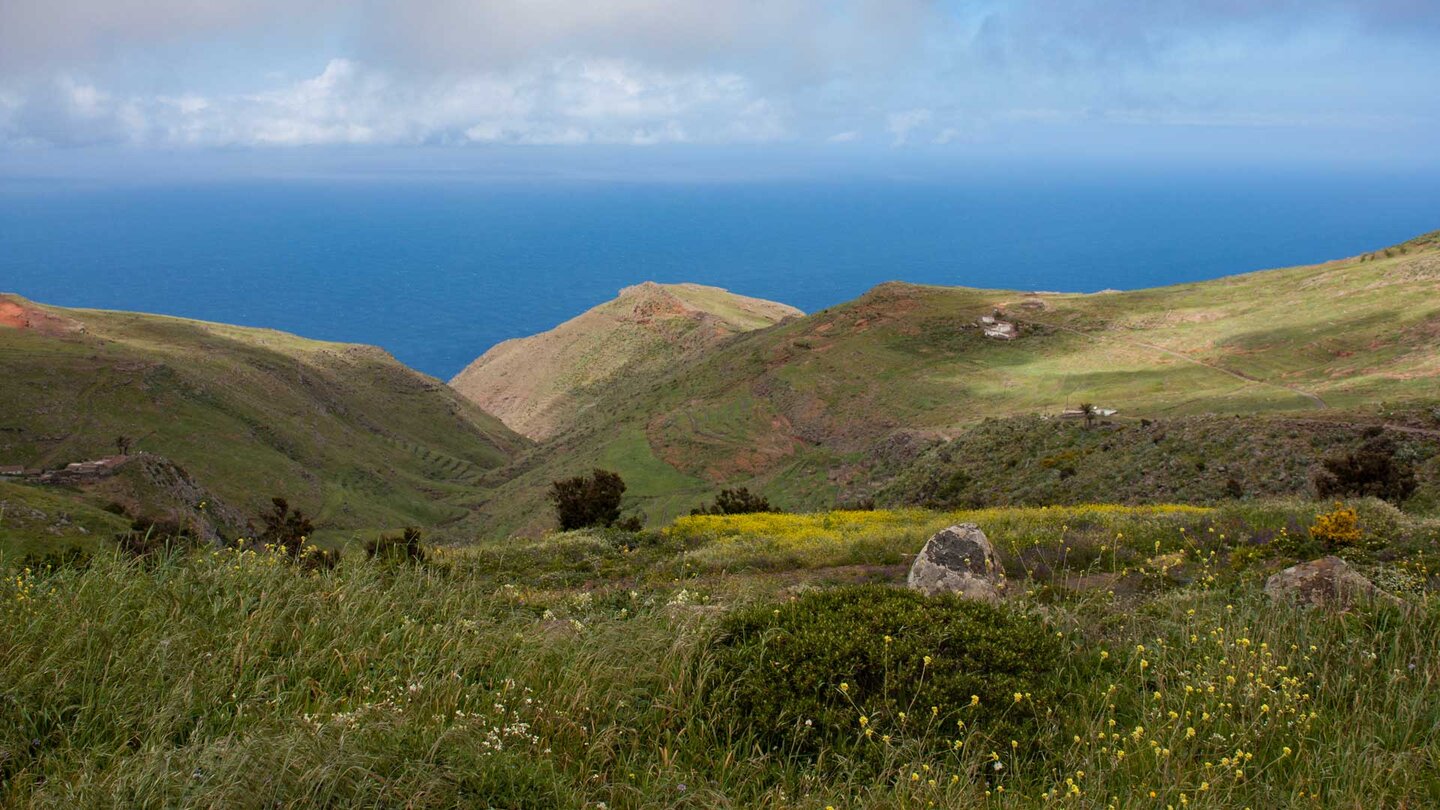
(585, 671)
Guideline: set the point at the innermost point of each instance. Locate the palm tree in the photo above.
(1087, 410)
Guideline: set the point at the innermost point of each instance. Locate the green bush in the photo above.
(736, 502)
(801, 675)
(587, 501)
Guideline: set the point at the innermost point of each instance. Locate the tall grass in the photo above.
(232, 679)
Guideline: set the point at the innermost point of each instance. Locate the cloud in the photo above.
(901, 124)
(567, 102)
(222, 73)
(61, 33)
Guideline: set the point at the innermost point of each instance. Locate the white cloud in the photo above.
(570, 101)
(947, 135)
(901, 124)
(241, 72)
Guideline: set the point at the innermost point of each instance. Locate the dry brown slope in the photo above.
(537, 384)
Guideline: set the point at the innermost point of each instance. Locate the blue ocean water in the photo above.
(436, 272)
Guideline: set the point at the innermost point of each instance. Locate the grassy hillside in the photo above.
(506, 676)
(42, 521)
(807, 410)
(1028, 460)
(538, 385)
(345, 432)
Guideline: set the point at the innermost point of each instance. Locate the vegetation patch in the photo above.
(856, 669)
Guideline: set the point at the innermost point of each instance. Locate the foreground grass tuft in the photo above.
(582, 671)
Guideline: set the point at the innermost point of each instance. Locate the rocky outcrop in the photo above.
(1326, 582)
(958, 560)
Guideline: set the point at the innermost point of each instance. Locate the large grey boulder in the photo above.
(958, 560)
(1326, 582)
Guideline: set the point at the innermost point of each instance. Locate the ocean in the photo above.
(438, 271)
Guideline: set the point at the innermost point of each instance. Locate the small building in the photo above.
(12, 470)
(1076, 413)
(1000, 330)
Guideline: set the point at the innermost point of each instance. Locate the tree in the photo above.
(1088, 410)
(122, 445)
(285, 528)
(736, 502)
(1371, 470)
(589, 500)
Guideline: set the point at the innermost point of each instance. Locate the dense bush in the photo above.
(857, 668)
(591, 500)
(1372, 470)
(736, 502)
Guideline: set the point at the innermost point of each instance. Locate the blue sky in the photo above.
(695, 86)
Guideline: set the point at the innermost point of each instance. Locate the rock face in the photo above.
(1326, 582)
(958, 560)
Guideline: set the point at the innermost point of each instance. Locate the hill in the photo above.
(344, 431)
(538, 385)
(809, 410)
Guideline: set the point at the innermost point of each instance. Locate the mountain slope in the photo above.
(345, 432)
(808, 410)
(539, 384)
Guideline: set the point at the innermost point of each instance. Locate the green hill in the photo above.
(807, 411)
(538, 385)
(345, 432)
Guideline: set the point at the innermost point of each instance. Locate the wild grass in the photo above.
(572, 674)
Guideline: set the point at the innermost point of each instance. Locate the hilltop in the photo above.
(538, 385)
(811, 410)
(345, 431)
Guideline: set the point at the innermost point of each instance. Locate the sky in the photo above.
(676, 88)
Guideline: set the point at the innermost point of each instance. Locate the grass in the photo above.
(1196, 459)
(346, 432)
(507, 676)
(37, 521)
(851, 390)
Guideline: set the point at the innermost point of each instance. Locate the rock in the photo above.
(1326, 582)
(958, 560)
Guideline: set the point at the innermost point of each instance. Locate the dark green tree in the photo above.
(589, 500)
(736, 502)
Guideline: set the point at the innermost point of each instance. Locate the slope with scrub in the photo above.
(808, 410)
(343, 430)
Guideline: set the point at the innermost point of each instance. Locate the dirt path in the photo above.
(1246, 378)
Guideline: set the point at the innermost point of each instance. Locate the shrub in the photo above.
(287, 531)
(1233, 490)
(736, 502)
(591, 500)
(1338, 528)
(849, 667)
(1372, 470)
(148, 538)
(403, 547)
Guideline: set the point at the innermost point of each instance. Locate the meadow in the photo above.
(590, 670)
